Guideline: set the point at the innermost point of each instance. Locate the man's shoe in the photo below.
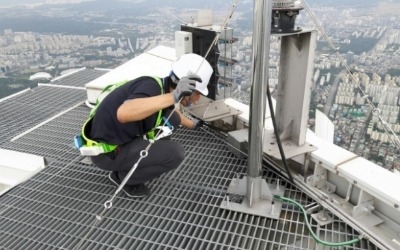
(134, 191)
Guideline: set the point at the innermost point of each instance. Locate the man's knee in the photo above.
(180, 154)
(173, 155)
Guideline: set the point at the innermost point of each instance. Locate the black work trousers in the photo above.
(163, 156)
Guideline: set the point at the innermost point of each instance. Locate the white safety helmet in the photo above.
(188, 64)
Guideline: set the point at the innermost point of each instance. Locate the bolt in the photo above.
(228, 202)
(322, 216)
(272, 207)
(396, 206)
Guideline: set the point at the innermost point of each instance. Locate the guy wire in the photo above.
(223, 27)
(388, 130)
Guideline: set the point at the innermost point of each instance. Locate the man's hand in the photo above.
(197, 123)
(185, 87)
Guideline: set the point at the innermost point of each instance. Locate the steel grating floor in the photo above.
(80, 77)
(26, 110)
(56, 209)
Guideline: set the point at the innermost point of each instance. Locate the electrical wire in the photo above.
(317, 239)
(277, 137)
(284, 199)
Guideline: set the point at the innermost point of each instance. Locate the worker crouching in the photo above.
(126, 118)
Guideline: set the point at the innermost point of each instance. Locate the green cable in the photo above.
(309, 226)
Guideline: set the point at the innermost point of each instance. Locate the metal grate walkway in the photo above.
(79, 78)
(56, 208)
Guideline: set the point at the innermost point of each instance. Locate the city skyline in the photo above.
(319, 2)
(337, 190)
(108, 40)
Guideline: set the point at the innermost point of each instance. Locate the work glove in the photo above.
(185, 86)
(197, 123)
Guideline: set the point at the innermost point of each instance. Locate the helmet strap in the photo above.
(174, 79)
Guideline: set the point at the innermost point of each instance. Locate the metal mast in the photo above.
(257, 195)
(261, 47)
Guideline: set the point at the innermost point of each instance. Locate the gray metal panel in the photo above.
(26, 110)
(29, 109)
(80, 78)
(294, 85)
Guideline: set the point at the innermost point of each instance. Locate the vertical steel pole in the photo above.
(258, 193)
(259, 78)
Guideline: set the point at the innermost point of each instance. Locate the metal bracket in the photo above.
(291, 147)
(294, 85)
(322, 218)
(260, 201)
(363, 210)
(209, 110)
(319, 180)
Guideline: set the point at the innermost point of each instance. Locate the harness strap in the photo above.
(101, 147)
(151, 133)
(107, 90)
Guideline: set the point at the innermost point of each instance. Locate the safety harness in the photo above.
(89, 147)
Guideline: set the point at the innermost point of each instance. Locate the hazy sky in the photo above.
(14, 2)
(185, 2)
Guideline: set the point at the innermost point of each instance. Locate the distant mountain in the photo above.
(148, 4)
(214, 3)
(14, 2)
(116, 3)
(143, 6)
(340, 3)
(17, 2)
